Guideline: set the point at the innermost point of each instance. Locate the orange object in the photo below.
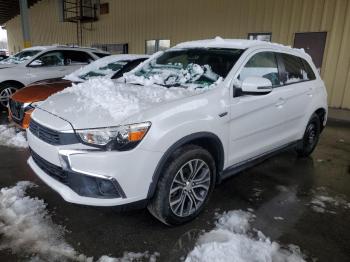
(136, 135)
(33, 93)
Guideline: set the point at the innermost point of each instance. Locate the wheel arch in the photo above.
(15, 82)
(321, 113)
(207, 140)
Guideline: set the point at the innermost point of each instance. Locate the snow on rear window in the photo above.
(104, 67)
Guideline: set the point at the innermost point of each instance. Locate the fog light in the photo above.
(106, 187)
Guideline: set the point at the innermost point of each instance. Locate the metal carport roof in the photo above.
(10, 8)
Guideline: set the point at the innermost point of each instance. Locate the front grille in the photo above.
(17, 110)
(46, 134)
(52, 170)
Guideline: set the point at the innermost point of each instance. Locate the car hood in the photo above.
(104, 102)
(3, 66)
(39, 92)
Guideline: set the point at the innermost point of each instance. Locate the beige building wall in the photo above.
(135, 21)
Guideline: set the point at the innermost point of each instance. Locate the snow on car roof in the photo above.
(219, 42)
(37, 48)
(63, 46)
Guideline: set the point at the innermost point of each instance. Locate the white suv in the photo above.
(39, 63)
(183, 121)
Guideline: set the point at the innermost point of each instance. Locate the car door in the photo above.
(48, 65)
(257, 121)
(298, 88)
(75, 59)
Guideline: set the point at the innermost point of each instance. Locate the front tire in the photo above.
(185, 186)
(6, 91)
(311, 136)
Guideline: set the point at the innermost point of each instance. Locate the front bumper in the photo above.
(21, 123)
(132, 170)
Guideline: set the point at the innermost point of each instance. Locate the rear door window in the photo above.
(296, 70)
(264, 65)
(100, 55)
(308, 70)
(77, 58)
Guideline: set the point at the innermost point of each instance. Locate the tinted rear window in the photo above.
(100, 55)
(296, 69)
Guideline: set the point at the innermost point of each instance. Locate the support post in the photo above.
(23, 5)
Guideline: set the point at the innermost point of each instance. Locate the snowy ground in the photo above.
(324, 201)
(27, 229)
(10, 137)
(292, 202)
(234, 240)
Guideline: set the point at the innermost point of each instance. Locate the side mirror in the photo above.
(37, 63)
(256, 85)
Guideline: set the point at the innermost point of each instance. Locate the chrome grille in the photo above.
(46, 134)
(52, 170)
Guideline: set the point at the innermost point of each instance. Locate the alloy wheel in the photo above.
(5, 95)
(189, 188)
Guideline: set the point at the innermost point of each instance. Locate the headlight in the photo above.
(115, 138)
(30, 106)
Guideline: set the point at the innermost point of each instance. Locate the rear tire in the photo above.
(184, 188)
(311, 136)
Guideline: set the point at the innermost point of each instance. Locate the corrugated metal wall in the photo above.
(134, 21)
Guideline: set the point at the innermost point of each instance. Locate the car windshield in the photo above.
(195, 68)
(20, 57)
(108, 69)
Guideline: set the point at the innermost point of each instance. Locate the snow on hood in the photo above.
(89, 104)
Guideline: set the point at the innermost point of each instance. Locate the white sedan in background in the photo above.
(39, 63)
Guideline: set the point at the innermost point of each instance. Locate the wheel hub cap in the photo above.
(5, 95)
(189, 188)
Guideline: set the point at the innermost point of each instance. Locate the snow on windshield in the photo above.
(188, 68)
(106, 66)
(118, 99)
(192, 76)
(20, 57)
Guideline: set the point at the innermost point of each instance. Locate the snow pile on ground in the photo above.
(9, 137)
(131, 256)
(233, 240)
(118, 99)
(323, 202)
(26, 228)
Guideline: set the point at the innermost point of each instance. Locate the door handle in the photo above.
(310, 92)
(280, 102)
